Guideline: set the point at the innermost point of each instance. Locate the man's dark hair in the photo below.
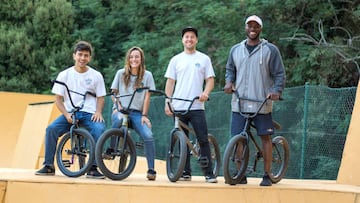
(83, 46)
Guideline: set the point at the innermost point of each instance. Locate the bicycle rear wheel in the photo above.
(176, 156)
(115, 154)
(75, 156)
(280, 158)
(236, 157)
(215, 154)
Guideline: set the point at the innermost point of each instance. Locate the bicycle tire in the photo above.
(215, 154)
(176, 155)
(234, 169)
(280, 158)
(75, 157)
(121, 162)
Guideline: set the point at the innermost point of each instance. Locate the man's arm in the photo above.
(169, 89)
(230, 74)
(59, 102)
(209, 86)
(97, 116)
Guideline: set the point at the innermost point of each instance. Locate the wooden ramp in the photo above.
(21, 185)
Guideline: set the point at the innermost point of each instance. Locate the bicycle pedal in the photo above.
(66, 163)
(139, 144)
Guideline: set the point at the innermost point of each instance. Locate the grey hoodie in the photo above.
(255, 75)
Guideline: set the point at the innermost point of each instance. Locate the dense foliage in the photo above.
(319, 40)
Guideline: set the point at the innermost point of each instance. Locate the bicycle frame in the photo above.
(126, 111)
(180, 143)
(248, 125)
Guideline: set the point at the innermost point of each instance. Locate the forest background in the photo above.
(319, 40)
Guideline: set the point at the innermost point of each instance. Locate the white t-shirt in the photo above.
(189, 71)
(91, 81)
(138, 101)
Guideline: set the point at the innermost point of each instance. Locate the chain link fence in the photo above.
(314, 120)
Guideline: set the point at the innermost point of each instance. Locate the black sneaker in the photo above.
(95, 174)
(243, 180)
(46, 171)
(211, 179)
(266, 181)
(186, 176)
(151, 174)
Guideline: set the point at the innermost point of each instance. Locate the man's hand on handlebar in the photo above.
(167, 108)
(228, 88)
(273, 96)
(203, 97)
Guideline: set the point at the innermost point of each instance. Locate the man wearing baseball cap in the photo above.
(190, 74)
(255, 70)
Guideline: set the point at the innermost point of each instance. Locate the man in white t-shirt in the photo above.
(79, 78)
(185, 75)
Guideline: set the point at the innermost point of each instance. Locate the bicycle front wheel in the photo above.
(280, 158)
(115, 154)
(176, 156)
(75, 156)
(236, 157)
(215, 154)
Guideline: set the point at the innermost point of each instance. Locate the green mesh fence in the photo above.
(314, 120)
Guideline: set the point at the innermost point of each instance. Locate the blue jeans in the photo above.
(141, 129)
(198, 122)
(60, 126)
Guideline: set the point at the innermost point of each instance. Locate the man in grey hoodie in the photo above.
(255, 70)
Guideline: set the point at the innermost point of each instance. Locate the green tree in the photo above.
(37, 41)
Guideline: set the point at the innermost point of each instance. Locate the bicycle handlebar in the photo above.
(68, 92)
(117, 99)
(175, 112)
(262, 103)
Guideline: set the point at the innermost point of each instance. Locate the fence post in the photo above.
(306, 105)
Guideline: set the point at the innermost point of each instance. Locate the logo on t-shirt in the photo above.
(88, 81)
(197, 65)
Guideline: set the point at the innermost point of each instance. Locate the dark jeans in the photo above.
(60, 126)
(197, 120)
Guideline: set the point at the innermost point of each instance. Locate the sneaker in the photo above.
(243, 180)
(211, 179)
(151, 174)
(266, 181)
(46, 171)
(95, 174)
(186, 176)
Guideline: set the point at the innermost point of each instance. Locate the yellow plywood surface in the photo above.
(350, 163)
(12, 111)
(31, 136)
(23, 186)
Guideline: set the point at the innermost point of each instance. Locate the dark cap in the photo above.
(189, 29)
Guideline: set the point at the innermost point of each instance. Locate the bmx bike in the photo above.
(236, 155)
(75, 151)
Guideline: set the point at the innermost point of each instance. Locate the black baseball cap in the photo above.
(189, 29)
